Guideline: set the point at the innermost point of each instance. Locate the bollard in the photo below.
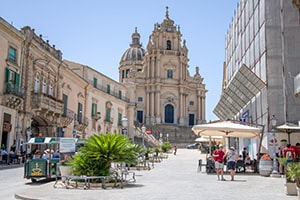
(200, 165)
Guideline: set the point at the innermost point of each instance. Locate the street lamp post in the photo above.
(167, 137)
(160, 137)
(124, 125)
(143, 133)
(273, 125)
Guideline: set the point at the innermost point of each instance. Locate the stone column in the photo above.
(203, 107)
(158, 110)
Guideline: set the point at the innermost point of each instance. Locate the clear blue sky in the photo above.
(97, 32)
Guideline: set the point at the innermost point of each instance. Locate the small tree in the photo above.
(166, 146)
(99, 151)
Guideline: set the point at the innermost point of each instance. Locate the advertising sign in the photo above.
(67, 145)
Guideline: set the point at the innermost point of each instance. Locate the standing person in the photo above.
(244, 153)
(289, 153)
(218, 156)
(231, 161)
(280, 154)
(175, 149)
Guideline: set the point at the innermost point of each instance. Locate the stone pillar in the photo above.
(199, 108)
(181, 102)
(203, 108)
(157, 103)
(152, 104)
(147, 110)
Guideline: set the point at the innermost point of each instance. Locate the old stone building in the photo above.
(163, 95)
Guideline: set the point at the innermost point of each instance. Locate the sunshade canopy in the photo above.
(227, 129)
(288, 128)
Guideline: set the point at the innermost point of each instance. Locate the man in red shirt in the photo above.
(218, 156)
(289, 153)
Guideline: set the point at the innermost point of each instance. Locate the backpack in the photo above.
(289, 155)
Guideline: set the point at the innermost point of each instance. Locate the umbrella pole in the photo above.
(210, 145)
(289, 137)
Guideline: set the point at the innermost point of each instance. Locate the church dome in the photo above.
(135, 52)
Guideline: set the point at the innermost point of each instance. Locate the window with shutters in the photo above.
(94, 109)
(12, 80)
(12, 55)
(107, 117)
(108, 89)
(95, 82)
(119, 119)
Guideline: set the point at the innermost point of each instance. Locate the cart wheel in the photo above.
(33, 180)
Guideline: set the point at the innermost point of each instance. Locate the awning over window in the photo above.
(243, 87)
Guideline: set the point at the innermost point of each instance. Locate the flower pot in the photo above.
(65, 171)
(265, 167)
(290, 188)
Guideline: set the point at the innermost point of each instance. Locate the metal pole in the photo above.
(275, 167)
(143, 139)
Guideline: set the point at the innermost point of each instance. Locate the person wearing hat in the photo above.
(219, 156)
(46, 154)
(232, 157)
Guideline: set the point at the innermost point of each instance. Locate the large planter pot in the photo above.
(265, 167)
(298, 191)
(65, 171)
(290, 188)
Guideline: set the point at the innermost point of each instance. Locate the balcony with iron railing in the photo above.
(13, 96)
(67, 117)
(81, 123)
(14, 90)
(112, 93)
(47, 103)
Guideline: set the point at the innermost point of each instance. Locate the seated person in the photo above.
(37, 155)
(248, 162)
(4, 156)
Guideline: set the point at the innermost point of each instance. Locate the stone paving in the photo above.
(175, 178)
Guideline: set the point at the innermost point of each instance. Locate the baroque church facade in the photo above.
(43, 94)
(161, 91)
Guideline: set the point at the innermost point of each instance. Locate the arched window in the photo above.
(170, 73)
(169, 114)
(44, 86)
(169, 45)
(50, 91)
(36, 83)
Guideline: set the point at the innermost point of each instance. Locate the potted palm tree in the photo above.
(100, 151)
(291, 176)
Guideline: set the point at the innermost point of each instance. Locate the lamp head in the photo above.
(273, 121)
(124, 121)
(143, 129)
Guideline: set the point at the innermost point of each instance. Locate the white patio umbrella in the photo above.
(227, 129)
(288, 128)
(208, 138)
